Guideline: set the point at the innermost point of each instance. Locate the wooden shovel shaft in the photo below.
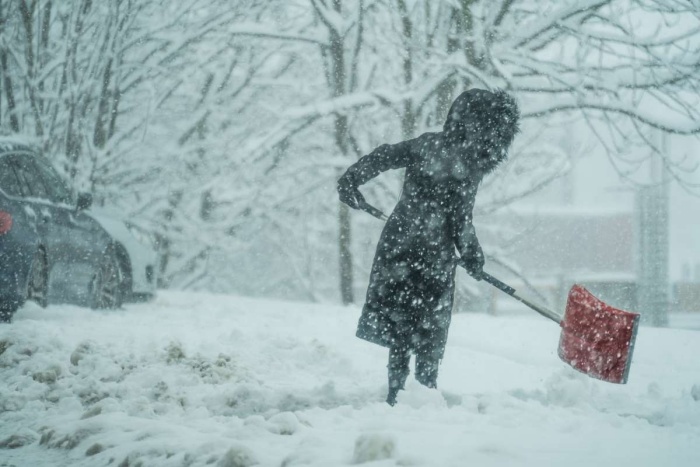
(546, 312)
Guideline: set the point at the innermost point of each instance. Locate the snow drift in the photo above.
(196, 380)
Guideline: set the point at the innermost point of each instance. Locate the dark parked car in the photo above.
(52, 248)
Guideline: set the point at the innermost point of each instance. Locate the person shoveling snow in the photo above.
(410, 294)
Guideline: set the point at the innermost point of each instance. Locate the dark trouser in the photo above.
(399, 359)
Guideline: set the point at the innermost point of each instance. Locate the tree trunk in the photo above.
(344, 225)
(7, 81)
(338, 81)
(9, 92)
(43, 55)
(408, 117)
(27, 11)
(346, 270)
(71, 73)
(103, 108)
(461, 26)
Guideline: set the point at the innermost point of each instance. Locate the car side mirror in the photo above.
(84, 201)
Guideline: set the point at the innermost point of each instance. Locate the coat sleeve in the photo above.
(463, 229)
(385, 157)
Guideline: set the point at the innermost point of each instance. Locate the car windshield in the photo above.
(8, 178)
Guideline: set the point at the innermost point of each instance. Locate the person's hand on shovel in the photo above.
(349, 193)
(473, 262)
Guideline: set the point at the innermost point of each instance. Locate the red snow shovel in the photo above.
(596, 339)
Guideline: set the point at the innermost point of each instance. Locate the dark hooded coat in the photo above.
(411, 288)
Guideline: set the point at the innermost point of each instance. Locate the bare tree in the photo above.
(222, 126)
(616, 67)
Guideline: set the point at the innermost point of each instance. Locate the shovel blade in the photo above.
(597, 339)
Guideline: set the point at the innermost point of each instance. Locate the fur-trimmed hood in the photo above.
(484, 123)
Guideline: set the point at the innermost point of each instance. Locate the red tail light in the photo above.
(5, 222)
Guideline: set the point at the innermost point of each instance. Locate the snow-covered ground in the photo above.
(196, 379)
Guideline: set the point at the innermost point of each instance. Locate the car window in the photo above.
(32, 184)
(55, 188)
(8, 179)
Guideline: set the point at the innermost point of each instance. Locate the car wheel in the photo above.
(107, 284)
(37, 287)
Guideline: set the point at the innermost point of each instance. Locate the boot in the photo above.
(391, 398)
(426, 370)
(399, 359)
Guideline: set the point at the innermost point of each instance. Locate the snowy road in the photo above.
(195, 380)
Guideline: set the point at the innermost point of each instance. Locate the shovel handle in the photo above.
(546, 312)
(498, 284)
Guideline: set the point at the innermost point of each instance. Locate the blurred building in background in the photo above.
(619, 248)
(560, 246)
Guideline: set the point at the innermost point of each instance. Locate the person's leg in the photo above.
(399, 359)
(434, 322)
(426, 369)
(427, 366)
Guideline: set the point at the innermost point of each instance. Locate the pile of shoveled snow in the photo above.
(198, 380)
